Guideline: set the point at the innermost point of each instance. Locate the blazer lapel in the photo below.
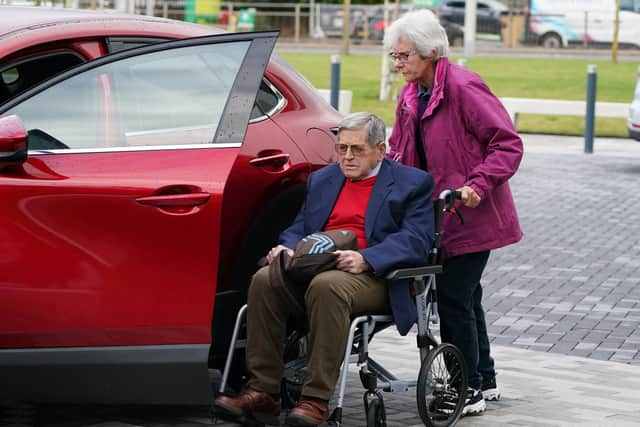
(381, 190)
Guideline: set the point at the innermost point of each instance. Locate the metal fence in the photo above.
(507, 21)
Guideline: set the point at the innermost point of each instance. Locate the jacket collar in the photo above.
(381, 190)
(437, 92)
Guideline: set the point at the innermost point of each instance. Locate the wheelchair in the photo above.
(442, 379)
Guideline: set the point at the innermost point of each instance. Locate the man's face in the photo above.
(409, 63)
(356, 157)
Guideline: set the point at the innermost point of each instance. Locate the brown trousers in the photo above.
(330, 299)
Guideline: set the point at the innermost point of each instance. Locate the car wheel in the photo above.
(551, 41)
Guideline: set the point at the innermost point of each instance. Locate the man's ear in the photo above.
(382, 150)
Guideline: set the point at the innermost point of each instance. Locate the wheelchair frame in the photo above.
(374, 376)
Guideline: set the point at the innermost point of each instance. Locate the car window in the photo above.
(456, 4)
(17, 77)
(268, 102)
(169, 97)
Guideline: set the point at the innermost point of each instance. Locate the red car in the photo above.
(140, 187)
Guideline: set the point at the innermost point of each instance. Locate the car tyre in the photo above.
(551, 41)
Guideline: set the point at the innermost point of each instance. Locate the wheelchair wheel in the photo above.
(376, 416)
(442, 385)
(295, 363)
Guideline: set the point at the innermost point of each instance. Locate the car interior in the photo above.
(20, 76)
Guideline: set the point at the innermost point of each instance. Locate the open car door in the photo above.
(112, 176)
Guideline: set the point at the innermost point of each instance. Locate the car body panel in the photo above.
(72, 300)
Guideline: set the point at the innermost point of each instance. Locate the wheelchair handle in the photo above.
(448, 198)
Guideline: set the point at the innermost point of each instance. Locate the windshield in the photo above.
(630, 5)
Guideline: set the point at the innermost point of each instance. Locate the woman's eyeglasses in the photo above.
(401, 56)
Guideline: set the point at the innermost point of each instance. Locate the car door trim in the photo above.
(124, 149)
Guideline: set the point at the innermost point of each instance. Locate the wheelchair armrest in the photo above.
(414, 272)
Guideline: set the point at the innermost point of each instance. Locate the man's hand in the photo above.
(276, 250)
(469, 197)
(352, 262)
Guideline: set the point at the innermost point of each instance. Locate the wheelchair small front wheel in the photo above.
(376, 416)
(442, 385)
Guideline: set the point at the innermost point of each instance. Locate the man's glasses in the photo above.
(356, 149)
(401, 56)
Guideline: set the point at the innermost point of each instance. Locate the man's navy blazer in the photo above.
(398, 224)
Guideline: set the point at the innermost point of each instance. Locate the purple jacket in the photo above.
(469, 140)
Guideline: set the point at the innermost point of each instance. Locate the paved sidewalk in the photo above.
(539, 389)
(563, 307)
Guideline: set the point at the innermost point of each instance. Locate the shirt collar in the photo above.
(374, 172)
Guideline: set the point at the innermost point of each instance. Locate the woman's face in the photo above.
(406, 59)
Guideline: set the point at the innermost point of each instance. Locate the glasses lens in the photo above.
(356, 150)
(400, 56)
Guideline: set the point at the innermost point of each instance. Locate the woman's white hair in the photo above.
(422, 29)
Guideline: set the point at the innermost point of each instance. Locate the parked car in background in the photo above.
(633, 123)
(559, 23)
(145, 165)
(370, 25)
(488, 14)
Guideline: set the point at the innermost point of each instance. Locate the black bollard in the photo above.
(589, 120)
(335, 81)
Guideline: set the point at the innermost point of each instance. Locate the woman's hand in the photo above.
(352, 262)
(276, 250)
(469, 197)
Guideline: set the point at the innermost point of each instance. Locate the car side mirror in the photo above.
(13, 141)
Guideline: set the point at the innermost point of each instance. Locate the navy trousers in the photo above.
(462, 320)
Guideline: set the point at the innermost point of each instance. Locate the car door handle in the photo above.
(275, 160)
(175, 200)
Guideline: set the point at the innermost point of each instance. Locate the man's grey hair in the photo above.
(373, 126)
(422, 29)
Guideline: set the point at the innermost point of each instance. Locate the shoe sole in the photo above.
(491, 394)
(476, 409)
(230, 410)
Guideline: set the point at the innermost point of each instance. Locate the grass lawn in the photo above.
(507, 77)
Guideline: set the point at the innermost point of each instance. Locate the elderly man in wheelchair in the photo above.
(384, 206)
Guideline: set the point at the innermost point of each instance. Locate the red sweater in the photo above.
(351, 206)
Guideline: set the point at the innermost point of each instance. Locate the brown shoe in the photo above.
(309, 412)
(252, 403)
